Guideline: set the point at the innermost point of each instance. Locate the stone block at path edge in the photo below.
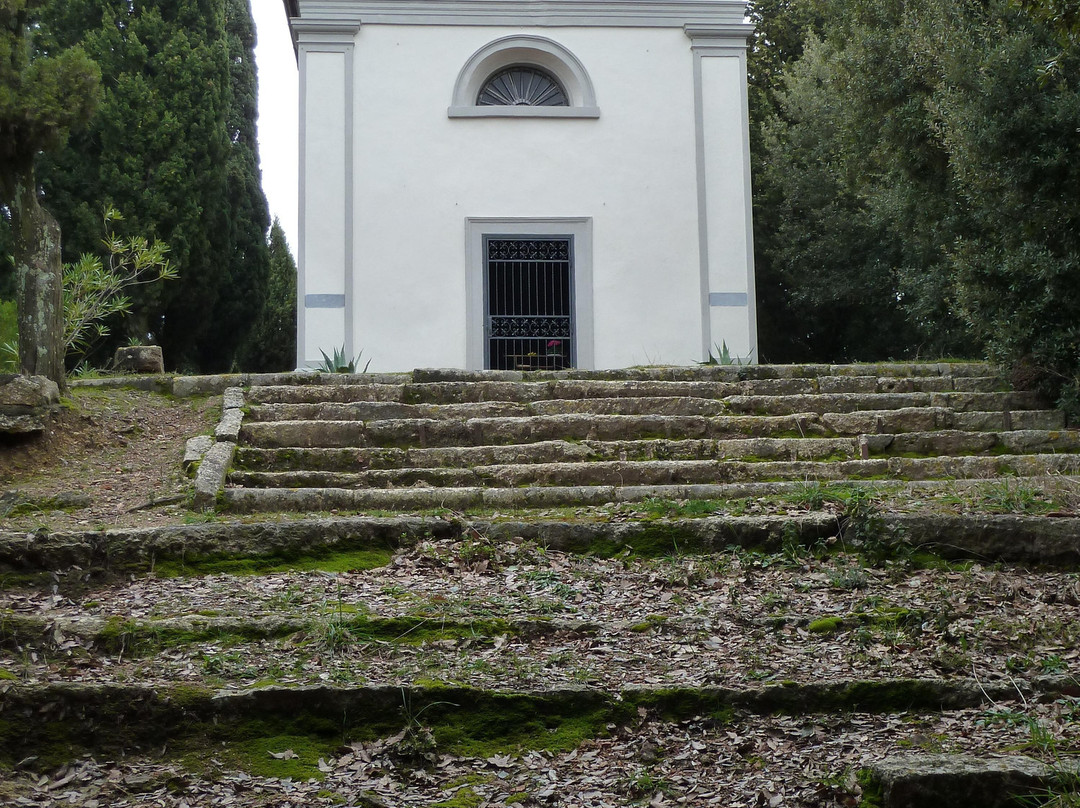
(139, 359)
(26, 403)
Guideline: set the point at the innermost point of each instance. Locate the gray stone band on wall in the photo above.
(324, 301)
(728, 298)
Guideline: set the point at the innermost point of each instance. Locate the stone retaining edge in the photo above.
(89, 702)
(987, 538)
(183, 386)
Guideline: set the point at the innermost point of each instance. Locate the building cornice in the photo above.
(711, 34)
(521, 13)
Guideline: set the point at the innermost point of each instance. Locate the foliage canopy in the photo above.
(915, 187)
(173, 146)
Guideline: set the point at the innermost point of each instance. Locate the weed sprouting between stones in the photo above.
(1058, 750)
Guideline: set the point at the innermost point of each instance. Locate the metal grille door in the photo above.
(529, 292)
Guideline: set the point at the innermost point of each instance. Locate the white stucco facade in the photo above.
(645, 171)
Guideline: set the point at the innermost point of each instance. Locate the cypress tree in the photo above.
(271, 344)
(247, 265)
(172, 147)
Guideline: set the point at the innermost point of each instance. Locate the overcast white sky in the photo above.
(278, 109)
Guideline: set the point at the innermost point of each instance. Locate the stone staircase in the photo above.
(735, 586)
(506, 439)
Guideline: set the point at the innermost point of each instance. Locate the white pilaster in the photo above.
(325, 251)
(729, 314)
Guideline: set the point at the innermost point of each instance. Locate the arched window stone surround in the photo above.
(523, 49)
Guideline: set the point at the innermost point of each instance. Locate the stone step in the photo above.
(665, 399)
(655, 651)
(854, 402)
(366, 746)
(721, 372)
(249, 459)
(669, 472)
(571, 390)
(945, 442)
(378, 411)
(425, 433)
(414, 500)
(192, 718)
(759, 516)
(728, 617)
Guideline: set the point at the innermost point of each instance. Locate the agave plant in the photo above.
(340, 362)
(725, 357)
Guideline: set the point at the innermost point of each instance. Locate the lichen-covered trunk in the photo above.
(39, 285)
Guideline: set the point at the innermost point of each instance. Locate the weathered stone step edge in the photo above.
(143, 636)
(1019, 539)
(385, 410)
(28, 709)
(984, 537)
(679, 372)
(669, 472)
(568, 397)
(184, 386)
(140, 548)
(537, 395)
(216, 384)
(944, 442)
(138, 637)
(853, 402)
(433, 433)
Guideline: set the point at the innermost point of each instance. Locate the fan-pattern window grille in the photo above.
(522, 86)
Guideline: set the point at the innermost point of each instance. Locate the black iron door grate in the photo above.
(530, 302)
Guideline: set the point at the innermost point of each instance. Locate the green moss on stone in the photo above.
(496, 723)
(352, 561)
(826, 625)
(651, 621)
(872, 794)
(680, 704)
(655, 540)
(280, 756)
(464, 798)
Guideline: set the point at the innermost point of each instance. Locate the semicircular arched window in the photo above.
(523, 76)
(522, 86)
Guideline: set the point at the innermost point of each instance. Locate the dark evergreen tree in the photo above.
(782, 28)
(172, 147)
(247, 266)
(44, 94)
(271, 345)
(921, 169)
(7, 258)
(1011, 133)
(857, 194)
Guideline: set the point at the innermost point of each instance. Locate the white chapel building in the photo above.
(523, 184)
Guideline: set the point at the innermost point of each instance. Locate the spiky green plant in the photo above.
(340, 362)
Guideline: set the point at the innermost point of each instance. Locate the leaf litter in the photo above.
(736, 619)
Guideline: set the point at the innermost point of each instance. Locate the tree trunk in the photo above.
(39, 285)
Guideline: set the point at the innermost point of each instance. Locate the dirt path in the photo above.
(108, 456)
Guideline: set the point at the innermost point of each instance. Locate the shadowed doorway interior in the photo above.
(529, 303)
